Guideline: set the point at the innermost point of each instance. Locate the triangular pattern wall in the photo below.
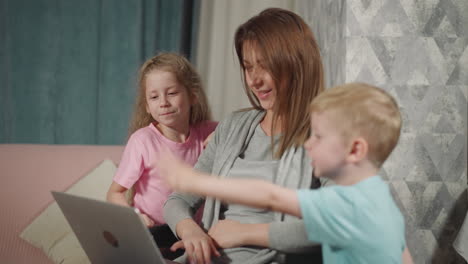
(417, 51)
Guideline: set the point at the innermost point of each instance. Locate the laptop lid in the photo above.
(108, 233)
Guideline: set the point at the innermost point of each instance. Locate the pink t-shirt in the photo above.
(141, 151)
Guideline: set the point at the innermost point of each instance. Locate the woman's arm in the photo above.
(198, 245)
(180, 206)
(179, 210)
(178, 213)
(288, 237)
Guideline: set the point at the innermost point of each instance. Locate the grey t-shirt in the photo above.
(255, 162)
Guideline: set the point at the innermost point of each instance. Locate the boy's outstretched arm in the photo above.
(406, 256)
(255, 193)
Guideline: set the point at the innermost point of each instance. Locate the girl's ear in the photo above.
(358, 151)
(147, 109)
(193, 99)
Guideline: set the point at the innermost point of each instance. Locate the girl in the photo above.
(172, 113)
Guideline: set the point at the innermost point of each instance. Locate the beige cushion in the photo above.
(50, 230)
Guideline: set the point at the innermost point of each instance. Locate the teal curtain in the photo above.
(68, 69)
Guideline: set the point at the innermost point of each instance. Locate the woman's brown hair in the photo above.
(292, 57)
(185, 74)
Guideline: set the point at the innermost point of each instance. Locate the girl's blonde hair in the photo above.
(292, 57)
(185, 74)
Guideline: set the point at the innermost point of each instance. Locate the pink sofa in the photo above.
(29, 173)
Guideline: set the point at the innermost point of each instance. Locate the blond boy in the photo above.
(354, 128)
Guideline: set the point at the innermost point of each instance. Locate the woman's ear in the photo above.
(358, 151)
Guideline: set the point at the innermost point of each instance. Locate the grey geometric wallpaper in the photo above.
(327, 18)
(417, 51)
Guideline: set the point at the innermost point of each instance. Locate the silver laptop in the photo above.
(109, 233)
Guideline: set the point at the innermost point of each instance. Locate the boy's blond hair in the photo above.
(363, 110)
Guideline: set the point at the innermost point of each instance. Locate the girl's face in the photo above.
(258, 79)
(167, 101)
(325, 147)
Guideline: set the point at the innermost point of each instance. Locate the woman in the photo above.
(282, 72)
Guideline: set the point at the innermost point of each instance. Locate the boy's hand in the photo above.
(227, 234)
(175, 172)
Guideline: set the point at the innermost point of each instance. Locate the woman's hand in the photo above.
(228, 234)
(198, 245)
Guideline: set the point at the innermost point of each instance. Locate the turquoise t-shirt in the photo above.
(355, 224)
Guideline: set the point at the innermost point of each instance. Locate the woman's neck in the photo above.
(176, 134)
(266, 123)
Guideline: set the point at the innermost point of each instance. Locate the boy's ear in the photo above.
(358, 151)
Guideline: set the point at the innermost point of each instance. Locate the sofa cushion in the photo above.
(50, 230)
(29, 172)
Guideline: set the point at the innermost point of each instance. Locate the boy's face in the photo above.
(325, 147)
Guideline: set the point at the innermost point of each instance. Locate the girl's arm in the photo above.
(116, 195)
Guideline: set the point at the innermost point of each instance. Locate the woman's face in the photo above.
(258, 79)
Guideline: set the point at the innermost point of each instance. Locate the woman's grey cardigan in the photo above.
(287, 234)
